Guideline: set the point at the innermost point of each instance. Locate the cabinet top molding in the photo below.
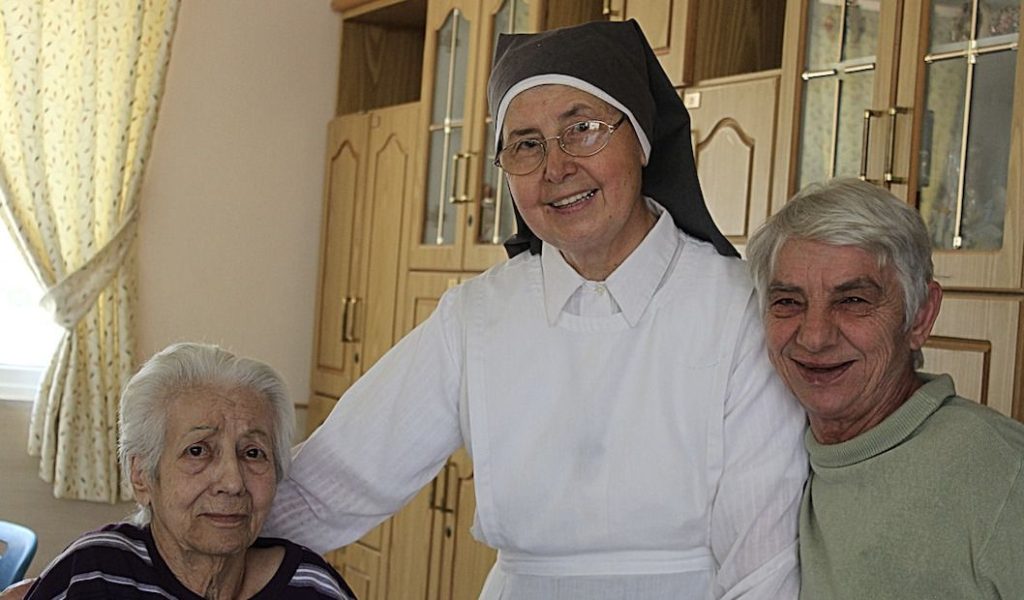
(349, 6)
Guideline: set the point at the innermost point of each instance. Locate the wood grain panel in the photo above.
(975, 340)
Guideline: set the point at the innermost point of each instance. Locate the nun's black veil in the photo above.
(615, 57)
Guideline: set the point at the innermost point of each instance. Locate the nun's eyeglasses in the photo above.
(582, 139)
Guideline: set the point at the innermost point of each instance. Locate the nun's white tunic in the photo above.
(629, 438)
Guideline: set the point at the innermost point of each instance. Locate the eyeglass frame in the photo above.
(612, 128)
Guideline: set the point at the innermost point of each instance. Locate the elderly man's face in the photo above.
(590, 208)
(216, 476)
(834, 324)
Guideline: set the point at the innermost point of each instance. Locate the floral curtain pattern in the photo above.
(80, 87)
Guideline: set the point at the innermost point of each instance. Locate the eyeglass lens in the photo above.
(582, 139)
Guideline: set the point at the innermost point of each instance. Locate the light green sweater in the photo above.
(929, 504)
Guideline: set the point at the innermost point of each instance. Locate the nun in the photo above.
(629, 437)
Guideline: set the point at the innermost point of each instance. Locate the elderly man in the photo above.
(914, 492)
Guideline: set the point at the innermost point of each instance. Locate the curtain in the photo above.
(80, 86)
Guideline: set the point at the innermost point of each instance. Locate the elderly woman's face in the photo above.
(216, 476)
(590, 207)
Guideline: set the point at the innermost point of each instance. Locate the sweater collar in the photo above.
(891, 432)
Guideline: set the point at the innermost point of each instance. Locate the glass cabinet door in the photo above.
(447, 121)
(840, 63)
(969, 71)
(493, 220)
(450, 62)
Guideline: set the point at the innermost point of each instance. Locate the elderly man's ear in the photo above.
(926, 315)
(17, 591)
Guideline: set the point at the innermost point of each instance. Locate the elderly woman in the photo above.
(628, 435)
(204, 441)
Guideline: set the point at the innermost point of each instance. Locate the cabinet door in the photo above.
(316, 413)
(733, 129)
(843, 80)
(464, 563)
(390, 175)
(437, 228)
(458, 564)
(491, 219)
(958, 152)
(975, 340)
(334, 369)
(665, 25)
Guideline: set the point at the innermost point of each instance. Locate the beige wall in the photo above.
(231, 200)
(230, 215)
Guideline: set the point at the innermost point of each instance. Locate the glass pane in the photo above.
(854, 98)
(816, 130)
(439, 188)
(861, 31)
(450, 209)
(435, 188)
(521, 18)
(497, 221)
(998, 21)
(950, 25)
(442, 71)
(824, 18)
(941, 135)
(988, 150)
(460, 68)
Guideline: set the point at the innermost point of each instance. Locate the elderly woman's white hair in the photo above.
(188, 366)
(851, 212)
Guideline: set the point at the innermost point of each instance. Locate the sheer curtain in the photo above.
(80, 86)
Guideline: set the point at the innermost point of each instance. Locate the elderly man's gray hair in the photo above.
(188, 366)
(850, 212)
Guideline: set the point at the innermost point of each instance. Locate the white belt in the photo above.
(639, 562)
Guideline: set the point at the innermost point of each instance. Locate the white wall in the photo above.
(230, 215)
(231, 199)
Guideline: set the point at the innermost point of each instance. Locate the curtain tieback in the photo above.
(74, 295)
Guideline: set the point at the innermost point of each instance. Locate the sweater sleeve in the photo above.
(388, 436)
(1000, 563)
(756, 506)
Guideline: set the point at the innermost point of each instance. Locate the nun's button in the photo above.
(599, 289)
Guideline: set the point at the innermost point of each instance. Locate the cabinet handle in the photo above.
(442, 481)
(890, 152)
(607, 10)
(344, 318)
(348, 333)
(865, 137)
(459, 184)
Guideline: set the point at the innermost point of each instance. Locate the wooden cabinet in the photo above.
(923, 97)
(458, 564)
(917, 96)
(669, 26)
(370, 165)
(733, 130)
(463, 211)
(699, 40)
(976, 340)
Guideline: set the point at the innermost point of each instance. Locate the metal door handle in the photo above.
(348, 333)
(460, 183)
(865, 137)
(890, 155)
